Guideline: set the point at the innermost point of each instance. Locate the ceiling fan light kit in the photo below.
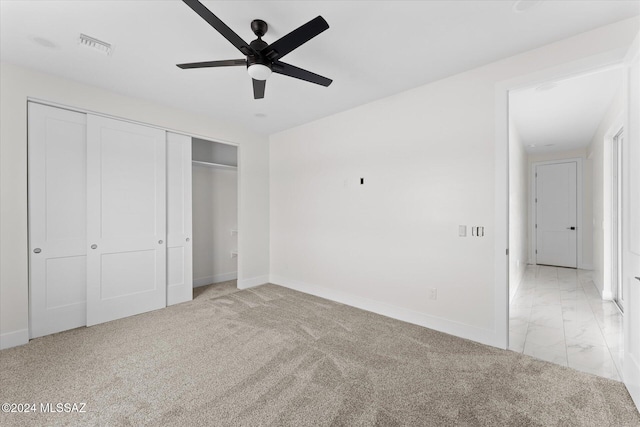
(262, 59)
(259, 71)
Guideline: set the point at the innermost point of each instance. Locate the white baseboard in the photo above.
(607, 295)
(204, 281)
(484, 336)
(14, 339)
(252, 282)
(597, 282)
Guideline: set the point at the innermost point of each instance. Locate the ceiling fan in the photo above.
(261, 58)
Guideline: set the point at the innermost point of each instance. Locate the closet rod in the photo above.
(213, 165)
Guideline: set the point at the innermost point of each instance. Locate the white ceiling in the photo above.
(372, 50)
(563, 115)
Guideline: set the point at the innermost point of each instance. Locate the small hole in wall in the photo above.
(361, 181)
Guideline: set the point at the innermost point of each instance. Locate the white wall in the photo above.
(586, 235)
(427, 156)
(599, 154)
(16, 84)
(215, 214)
(518, 210)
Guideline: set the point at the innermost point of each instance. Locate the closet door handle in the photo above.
(187, 239)
(37, 250)
(160, 242)
(94, 246)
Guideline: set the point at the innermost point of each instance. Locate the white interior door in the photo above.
(126, 219)
(179, 244)
(631, 225)
(57, 219)
(556, 214)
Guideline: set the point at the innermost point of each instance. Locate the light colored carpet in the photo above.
(215, 290)
(273, 356)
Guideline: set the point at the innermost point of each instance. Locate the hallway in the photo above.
(557, 315)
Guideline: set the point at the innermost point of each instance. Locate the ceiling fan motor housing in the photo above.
(258, 45)
(258, 66)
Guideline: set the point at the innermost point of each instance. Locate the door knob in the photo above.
(37, 250)
(571, 228)
(94, 246)
(159, 242)
(187, 239)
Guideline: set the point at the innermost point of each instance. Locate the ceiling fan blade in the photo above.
(295, 38)
(299, 73)
(207, 64)
(258, 88)
(220, 26)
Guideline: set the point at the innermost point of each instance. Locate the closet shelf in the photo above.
(213, 165)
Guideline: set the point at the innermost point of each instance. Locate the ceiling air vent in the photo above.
(98, 45)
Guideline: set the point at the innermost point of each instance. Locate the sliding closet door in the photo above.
(126, 219)
(179, 246)
(57, 219)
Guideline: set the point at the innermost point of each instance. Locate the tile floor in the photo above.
(557, 315)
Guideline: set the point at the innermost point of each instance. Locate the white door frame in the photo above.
(617, 276)
(533, 211)
(631, 222)
(596, 63)
(607, 199)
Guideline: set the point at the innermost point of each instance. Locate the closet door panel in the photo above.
(126, 219)
(179, 246)
(57, 219)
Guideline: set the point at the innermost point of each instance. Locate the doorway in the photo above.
(557, 312)
(215, 212)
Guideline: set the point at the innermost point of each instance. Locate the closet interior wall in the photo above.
(215, 212)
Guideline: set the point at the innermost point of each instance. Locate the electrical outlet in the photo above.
(432, 293)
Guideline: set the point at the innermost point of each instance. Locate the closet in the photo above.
(110, 219)
(215, 213)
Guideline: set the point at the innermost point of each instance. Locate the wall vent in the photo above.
(98, 45)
